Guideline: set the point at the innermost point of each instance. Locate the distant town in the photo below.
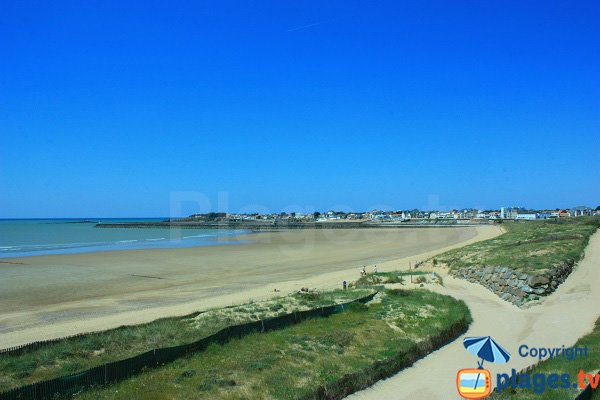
(349, 220)
(415, 215)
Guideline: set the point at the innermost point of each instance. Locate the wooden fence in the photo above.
(123, 369)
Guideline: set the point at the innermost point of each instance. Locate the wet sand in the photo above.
(59, 295)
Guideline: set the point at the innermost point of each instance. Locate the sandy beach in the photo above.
(52, 296)
(561, 319)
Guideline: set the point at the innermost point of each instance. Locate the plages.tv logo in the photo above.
(476, 383)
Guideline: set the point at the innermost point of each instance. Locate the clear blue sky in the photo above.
(114, 108)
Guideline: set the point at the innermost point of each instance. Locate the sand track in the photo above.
(561, 319)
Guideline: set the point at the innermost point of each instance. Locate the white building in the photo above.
(528, 217)
(508, 213)
(581, 210)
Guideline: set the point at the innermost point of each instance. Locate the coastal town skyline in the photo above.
(390, 213)
(345, 212)
(504, 213)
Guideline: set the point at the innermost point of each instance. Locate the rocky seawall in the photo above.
(513, 286)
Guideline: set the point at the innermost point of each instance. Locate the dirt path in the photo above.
(561, 319)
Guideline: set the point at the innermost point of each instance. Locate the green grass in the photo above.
(380, 278)
(80, 353)
(293, 362)
(561, 365)
(533, 247)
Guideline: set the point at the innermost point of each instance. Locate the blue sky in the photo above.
(147, 108)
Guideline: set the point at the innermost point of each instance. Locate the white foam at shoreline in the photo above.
(198, 236)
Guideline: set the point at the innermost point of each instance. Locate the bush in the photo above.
(395, 279)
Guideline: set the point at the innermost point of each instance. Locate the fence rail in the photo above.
(119, 370)
(24, 348)
(362, 379)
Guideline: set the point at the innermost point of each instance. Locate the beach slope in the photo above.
(53, 296)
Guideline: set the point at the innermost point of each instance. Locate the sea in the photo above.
(36, 237)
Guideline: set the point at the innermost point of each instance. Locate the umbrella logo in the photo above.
(476, 383)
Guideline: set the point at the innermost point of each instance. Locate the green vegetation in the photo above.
(561, 365)
(381, 278)
(296, 361)
(533, 247)
(80, 353)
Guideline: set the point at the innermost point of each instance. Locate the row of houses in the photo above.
(520, 214)
(512, 213)
(469, 213)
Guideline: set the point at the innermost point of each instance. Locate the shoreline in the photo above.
(176, 295)
(85, 240)
(173, 234)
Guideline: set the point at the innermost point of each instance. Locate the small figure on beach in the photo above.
(375, 269)
(345, 285)
(363, 272)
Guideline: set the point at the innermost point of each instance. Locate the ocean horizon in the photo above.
(48, 236)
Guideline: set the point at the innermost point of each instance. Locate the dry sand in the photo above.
(60, 295)
(561, 319)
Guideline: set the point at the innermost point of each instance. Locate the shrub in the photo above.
(395, 279)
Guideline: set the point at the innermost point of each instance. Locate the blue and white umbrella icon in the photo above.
(487, 349)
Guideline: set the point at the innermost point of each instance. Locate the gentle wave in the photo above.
(22, 238)
(51, 246)
(198, 236)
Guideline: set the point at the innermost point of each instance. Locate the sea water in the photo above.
(33, 237)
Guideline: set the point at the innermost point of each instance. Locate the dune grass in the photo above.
(75, 354)
(381, 278)
(533, 247)
(293, 362)
(561, 365)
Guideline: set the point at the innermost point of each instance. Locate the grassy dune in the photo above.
(381, 278)
(80, 353)
(533, 247)
(294, 362)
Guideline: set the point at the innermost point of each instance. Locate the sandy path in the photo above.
(55, 296)
(561, 319)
